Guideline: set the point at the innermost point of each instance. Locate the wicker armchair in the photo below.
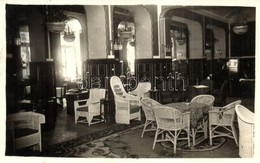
(246, 126)
(147, 105)
(24, 129)
(127, 106)
(90, 108)
(203, 126)
(142, 89)
(223, 117)
(170, 123)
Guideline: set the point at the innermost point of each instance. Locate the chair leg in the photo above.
(145, 125)
(37, 147)
(193, 136)
(175, 141)
(89, 119)
(188, 134)
(205, 129)
(139, 118)
(155, 137)
(210, 135)
(234, 133)
(76, 118)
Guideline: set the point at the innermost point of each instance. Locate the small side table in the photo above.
(71, 97)
(107, 110)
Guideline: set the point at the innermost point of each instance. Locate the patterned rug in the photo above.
(67, 148)
(125, 144)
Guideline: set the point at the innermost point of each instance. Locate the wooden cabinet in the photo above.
(152, 70)
(157, 72)
(43, 81)
(99, 72)
(43, 91)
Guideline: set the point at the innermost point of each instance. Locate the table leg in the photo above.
(101, 103)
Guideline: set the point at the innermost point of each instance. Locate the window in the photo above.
(131, 57)
(25, 50)
(70, 50)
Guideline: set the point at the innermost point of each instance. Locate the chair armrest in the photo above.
(94, 102)
(132, 97)
(81, 100)
(134, 92)
(146, 94)
(80, 103)
(215, 109)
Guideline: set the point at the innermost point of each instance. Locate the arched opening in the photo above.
(70, 50)
(124, 39)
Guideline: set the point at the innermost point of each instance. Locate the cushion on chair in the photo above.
(20, 132)
(82, 109)
(134, 109)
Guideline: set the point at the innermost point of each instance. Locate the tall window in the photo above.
(131, 56)
(70, 50)
(25, 50)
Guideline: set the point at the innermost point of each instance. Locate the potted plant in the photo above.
(56, 20)
(126, 29)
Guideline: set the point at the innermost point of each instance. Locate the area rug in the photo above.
(129, 144)
(67, 148)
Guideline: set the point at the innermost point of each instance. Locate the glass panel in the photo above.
(25, 51)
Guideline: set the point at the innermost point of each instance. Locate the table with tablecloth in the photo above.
(197, 111)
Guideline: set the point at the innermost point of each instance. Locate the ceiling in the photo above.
(226, 13)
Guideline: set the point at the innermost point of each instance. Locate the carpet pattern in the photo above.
(123, 145)
(67, 148)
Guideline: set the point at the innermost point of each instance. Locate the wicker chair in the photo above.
(170, 123)
(142, 89)
(203, 126)
(246, 126)
(127, 106)
(25, 130)
(147, 105)
(90, 108)
(223, 117)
